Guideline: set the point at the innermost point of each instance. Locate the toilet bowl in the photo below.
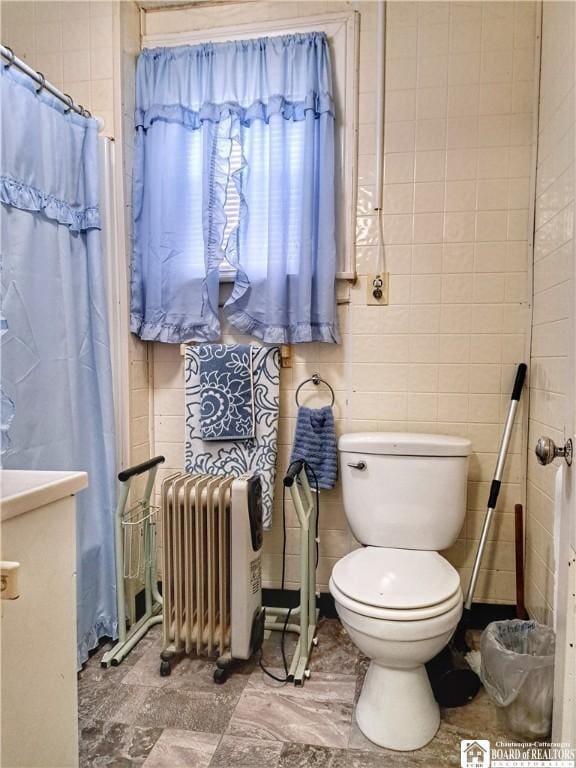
(399, 600)
(396, 708)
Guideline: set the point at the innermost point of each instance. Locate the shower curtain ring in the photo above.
(84, 112)
(70, 101)
(42, 82)
(12, 57)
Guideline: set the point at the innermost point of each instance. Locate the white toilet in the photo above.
(399, 600)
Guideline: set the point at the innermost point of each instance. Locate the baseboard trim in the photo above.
(140, 601)
(481, 614)
(289, 598)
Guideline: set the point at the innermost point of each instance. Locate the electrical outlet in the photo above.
(377, 289)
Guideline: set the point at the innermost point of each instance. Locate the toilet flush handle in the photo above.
(357, 465)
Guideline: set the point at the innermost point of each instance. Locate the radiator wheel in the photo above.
(165, 668)
(220, 675)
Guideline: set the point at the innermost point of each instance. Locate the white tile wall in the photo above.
(129, 47)
(553, 291)
(441, 356)
(71, 43)
(459, 103)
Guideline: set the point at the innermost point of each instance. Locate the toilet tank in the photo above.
(404, 490)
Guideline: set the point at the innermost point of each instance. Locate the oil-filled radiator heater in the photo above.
(211, 568)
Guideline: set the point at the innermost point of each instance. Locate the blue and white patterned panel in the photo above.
(235, 458)
(226, 396)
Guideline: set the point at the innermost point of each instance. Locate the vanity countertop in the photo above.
(22, 490)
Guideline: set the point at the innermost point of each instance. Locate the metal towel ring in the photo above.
(315, 379)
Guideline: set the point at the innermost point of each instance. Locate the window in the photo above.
(342, 31)
(235, 141)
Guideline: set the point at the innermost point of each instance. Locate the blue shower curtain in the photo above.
(56, 405)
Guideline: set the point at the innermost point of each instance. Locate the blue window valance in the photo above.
(268, 101)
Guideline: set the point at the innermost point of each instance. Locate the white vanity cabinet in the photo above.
(39, 710)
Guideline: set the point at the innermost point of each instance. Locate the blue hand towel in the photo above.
(315, 442)
(226, 392)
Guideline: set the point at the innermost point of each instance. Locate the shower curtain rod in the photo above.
(38, 77)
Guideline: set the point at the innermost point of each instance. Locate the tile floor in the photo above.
(130, 716)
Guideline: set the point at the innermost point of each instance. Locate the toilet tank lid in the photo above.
(404, 444)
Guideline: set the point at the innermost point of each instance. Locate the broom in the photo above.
(453, 681)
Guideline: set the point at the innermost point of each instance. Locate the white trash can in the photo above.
(517, 671)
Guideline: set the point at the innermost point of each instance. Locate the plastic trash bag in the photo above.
(517, 671)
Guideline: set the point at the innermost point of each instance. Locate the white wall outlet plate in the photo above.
(377, 289)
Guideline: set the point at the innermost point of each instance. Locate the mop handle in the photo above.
(496, 481)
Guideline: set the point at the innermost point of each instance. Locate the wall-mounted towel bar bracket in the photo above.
(285, 356)
(306, 614)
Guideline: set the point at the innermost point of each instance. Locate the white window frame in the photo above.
(116, 279)
(342, 31)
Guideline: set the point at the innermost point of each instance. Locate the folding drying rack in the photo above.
(135, 545)
(305, 505)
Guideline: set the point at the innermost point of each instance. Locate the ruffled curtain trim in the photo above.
(315, 103)
(103, 628)
(282, 334)
(173, 333)
(215, 216)
(26, 198)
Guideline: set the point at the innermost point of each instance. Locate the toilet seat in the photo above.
(396, 584)
(395, 614)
